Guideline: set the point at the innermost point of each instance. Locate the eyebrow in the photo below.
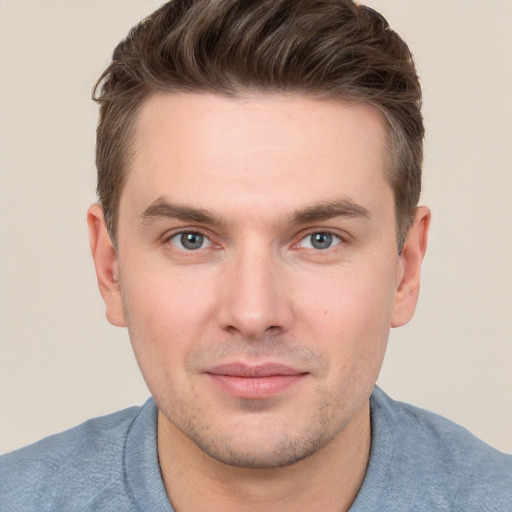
(325, 211)
(162, 209)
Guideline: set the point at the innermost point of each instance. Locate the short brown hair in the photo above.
(324, 48)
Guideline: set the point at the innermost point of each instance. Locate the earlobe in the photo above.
(415, 246)
(105, 261)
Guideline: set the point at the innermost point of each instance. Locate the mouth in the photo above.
(255, 382)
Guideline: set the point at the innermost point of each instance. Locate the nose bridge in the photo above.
(254, 296)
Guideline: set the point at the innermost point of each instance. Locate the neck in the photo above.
(328, 480)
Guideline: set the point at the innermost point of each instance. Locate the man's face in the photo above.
(258, 269)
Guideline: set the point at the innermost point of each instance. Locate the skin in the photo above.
(255, 183)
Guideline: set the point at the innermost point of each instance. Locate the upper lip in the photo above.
(254, 371)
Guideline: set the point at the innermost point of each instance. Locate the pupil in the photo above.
(321, 240)
(192, 240)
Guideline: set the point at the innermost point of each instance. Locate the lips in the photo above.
(254, 382)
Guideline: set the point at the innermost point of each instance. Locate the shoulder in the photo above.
(433, 451)
(80, 462)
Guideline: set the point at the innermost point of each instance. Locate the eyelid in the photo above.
(342, 236)
(338, 233)
(337, 236)
(177, 241)
(169, 235)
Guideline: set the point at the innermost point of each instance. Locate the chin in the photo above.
(264, 449)
(276, 456)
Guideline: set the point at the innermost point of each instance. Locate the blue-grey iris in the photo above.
(321, 240)
(192, 241)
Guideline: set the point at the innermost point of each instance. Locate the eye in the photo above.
(190, 241)
(320, 240)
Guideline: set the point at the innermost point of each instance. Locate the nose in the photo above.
(254, 298)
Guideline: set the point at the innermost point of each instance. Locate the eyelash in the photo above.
(181, 233)
(335, 238)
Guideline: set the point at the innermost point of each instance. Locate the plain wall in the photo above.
(61, 362)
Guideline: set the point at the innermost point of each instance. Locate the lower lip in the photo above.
(255, 387)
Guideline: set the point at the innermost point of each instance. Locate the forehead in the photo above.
(198, 147)
(218, 123)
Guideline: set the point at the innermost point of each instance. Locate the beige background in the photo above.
(60, 362)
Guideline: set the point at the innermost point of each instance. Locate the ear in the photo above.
(406, 294)
(105, 261)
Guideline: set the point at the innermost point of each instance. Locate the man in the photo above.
(259, 169)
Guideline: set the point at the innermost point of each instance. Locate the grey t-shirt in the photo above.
(419, 462)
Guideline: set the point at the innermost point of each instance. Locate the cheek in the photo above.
(167, 316)
(348, 298)
(349, 315)
(161, 300)
(162, 326)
